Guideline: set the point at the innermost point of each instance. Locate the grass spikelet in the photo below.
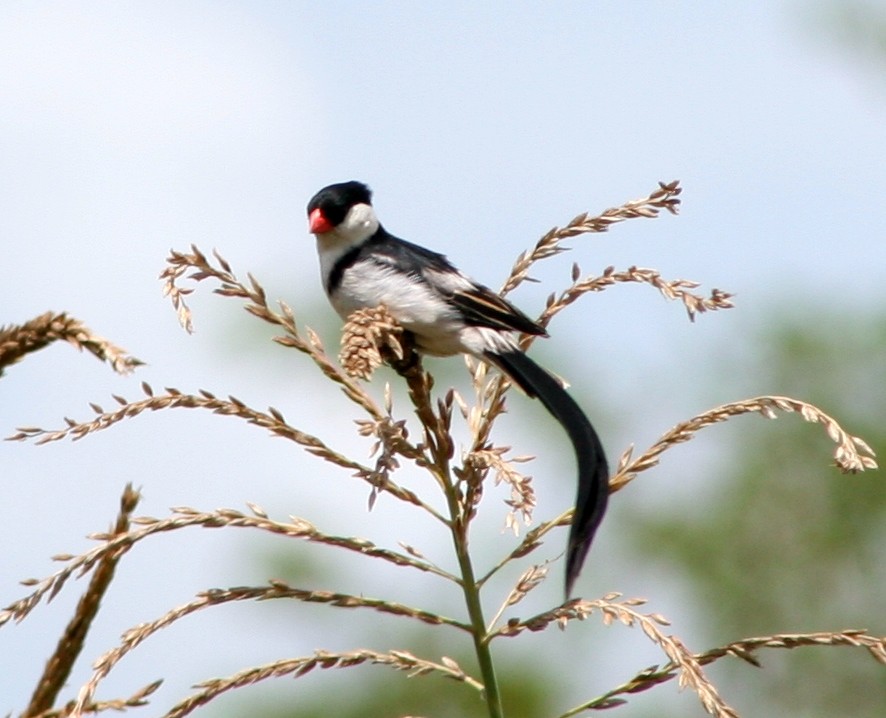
(17, 341)
(365, 335)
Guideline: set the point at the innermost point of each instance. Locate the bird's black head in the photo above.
(334, 201)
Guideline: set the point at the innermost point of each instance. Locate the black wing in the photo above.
(484, 308)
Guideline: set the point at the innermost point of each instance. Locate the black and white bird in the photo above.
(363, 266)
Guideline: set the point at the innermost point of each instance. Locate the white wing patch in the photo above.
(437, 325)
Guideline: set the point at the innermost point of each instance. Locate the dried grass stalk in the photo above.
(743, 649)
(257, 305)
(185, 517)
(392, 441)
(272, 420)
(531, 578)
(530, 542)
(69, 647)
(18, 340)
(276, 590)
(522, 500)
(136, 700)
(298, 667)
(678, 289)
(491, 391)
(665, 197)
(687, 666)
(851, 455)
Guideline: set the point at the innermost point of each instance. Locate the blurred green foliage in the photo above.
(785, 543)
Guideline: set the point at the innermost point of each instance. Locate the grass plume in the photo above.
(422, 437)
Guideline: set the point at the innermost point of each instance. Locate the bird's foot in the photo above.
(407, 360)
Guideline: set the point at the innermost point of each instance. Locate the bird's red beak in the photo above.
(318, 223)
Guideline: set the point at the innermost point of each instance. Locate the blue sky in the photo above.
(130, 128)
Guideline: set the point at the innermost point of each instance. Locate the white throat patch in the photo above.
(359, 224)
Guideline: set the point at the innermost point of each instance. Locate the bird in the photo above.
(363, 266)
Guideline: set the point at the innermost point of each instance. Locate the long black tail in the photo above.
(593, 472)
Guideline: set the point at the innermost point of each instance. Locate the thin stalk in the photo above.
(439, 444)
(475, 612)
